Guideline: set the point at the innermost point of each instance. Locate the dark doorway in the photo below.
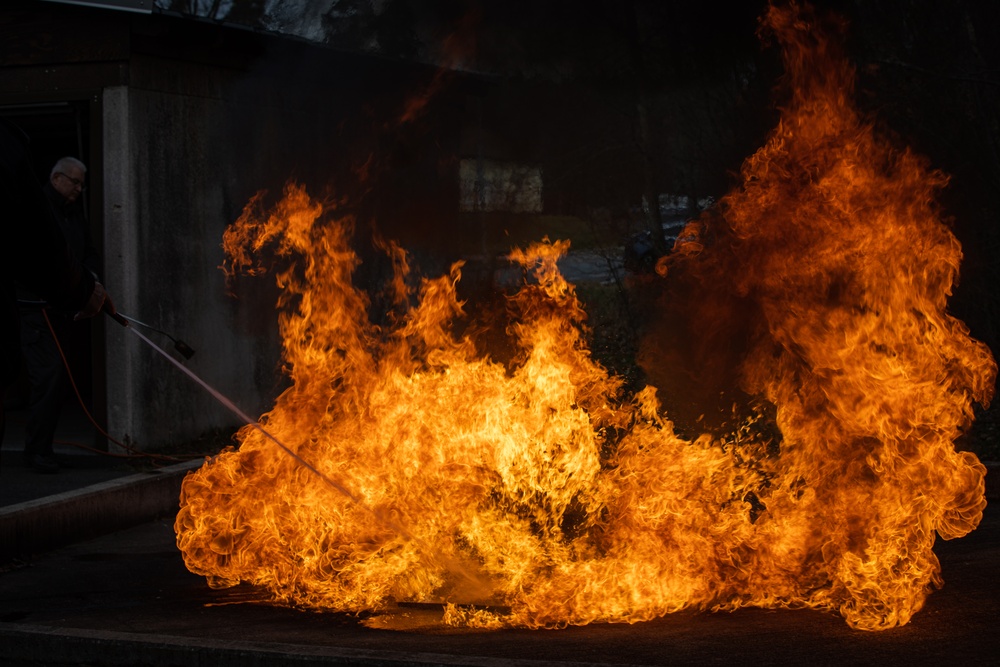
(58, 129)
(55, 129)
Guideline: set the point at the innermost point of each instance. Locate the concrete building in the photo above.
(181, 121)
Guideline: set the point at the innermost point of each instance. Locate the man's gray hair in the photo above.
(65, 163)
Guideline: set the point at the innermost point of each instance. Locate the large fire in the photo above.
(425, 471)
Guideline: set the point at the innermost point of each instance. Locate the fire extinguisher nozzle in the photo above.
(184, 349)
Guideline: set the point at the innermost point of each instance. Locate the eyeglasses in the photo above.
(75, 181)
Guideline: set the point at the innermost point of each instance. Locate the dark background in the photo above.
(651, 97)
(622, 102)
(616, 103)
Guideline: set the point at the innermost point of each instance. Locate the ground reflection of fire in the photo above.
(537, 487)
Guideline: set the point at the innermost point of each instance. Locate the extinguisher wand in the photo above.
(124, 320)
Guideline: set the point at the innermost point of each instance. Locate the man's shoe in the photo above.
(44, 464)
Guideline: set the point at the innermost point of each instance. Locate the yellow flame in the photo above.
(539, 487)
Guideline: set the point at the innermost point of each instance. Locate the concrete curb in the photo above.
(38, 645)
(38, 525)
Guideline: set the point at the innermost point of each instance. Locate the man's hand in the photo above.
(99, 300)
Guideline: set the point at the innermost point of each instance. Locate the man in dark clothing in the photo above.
(66, 183)
(34, 253)
(43, 357)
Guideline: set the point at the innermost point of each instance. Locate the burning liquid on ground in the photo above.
(540, 488)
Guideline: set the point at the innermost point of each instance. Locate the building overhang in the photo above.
(139, 6)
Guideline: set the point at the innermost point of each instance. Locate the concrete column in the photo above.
(120, 259)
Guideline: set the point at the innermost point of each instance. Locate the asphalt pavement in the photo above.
(126, 599)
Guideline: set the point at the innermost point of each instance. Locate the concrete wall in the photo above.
(168, 198)
(186, 146)
(188, 120)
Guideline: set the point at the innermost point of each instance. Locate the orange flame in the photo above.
(540, 488)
